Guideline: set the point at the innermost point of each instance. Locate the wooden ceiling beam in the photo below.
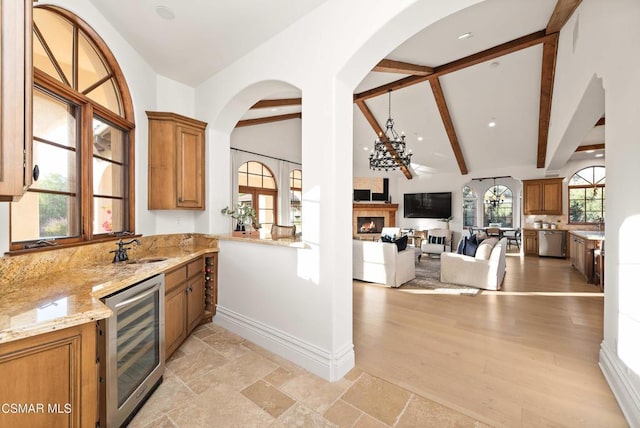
(477, 58)
(600, 122)
(549, 54)
(438, 94)
(380, 133)
(277, 103)
(268, 119)
(590, 147)
(561, 14)
(392, 66)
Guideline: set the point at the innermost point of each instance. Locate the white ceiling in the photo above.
(506, 89)
(205, 36)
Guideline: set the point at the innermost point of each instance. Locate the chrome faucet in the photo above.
(121, 253)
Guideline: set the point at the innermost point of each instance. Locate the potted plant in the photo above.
(245, 216)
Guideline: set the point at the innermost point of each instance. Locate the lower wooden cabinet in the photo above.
(50, 380)
(530, 242)
(184, 303)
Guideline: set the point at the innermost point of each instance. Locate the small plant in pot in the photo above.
(245, 216)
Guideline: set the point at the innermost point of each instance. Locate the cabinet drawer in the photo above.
(174, 278)
(195, 267)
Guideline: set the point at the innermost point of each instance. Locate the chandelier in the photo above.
(381, 158)
(494, 200)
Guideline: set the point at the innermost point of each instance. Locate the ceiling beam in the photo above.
(436, 87)
(268, 119)
(549, 54)
(277, 103)
(380, 133)
(590, 147)
(477, 58)
(391, 66)
(600, 122)
(561, 14)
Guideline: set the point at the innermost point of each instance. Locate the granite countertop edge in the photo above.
(22, 309)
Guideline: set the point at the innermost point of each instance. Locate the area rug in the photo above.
(428, 278)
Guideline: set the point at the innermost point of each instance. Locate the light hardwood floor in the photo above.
(526, 356)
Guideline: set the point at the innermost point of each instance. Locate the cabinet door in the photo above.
(530, 244)
(552, 194)
(56, 371)
(195, 302)
(16, 88)
(532, 197)
(190, 167)
(175, 319)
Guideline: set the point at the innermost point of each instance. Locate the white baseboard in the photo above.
(307, 355)
(624, 391)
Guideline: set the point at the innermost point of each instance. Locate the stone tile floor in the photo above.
(218, 379)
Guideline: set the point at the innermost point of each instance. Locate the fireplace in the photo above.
(382, 215)
(370, 224)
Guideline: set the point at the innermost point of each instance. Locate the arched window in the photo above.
(257, 187)
(82, 139)
(498, 206)
(469, 207)
(295, 186)
(586, 195)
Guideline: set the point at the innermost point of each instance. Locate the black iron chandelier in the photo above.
(380, 159)
(494, 200)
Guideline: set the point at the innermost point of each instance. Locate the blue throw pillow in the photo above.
(461, 245)
(401, 243)
(471, 245)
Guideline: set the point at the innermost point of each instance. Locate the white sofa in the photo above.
(433, 248)
(486, 270)
(381, 262)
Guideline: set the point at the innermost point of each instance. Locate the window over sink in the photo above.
(586, 196)
(83, 140)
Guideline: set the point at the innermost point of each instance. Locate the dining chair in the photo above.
(513, 236)
(494, 232)
(279, 231)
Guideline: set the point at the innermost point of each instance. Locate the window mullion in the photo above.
(86, 167)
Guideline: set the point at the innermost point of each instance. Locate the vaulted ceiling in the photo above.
(502, 73)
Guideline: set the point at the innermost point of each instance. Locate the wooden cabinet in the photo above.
(16, 88)
(543, 196)
(530, 242)
(176, 162)
(184, 303)
(581, 252)
(55, 374)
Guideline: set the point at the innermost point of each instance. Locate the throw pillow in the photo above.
(436, 240)
(471, 245)
(401, 243)
(386, 238)
(461, 244)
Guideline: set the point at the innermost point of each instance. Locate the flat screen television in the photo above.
(427, 205)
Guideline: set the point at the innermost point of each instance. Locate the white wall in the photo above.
(327, 54)
(608, 36)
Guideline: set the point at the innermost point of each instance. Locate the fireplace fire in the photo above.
(370, 224)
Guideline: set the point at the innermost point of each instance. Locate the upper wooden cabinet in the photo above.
(543, 196)
(176, 162)
(16, 89)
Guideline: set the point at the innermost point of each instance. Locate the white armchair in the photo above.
(381, 262)
(438, 241)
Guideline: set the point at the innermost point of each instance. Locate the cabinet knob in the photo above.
(36, 173)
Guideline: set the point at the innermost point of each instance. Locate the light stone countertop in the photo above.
(590, 235)
(53, 301)
(265, 239)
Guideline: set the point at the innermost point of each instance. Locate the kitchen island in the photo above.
(582, 246)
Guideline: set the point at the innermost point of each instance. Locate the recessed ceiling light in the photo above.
(492, 124)
(590, 151)
(165, 13)
(365, 148)
(599, 155)
(465, 36)
(420, 138)
(275, 109)
(494, 64)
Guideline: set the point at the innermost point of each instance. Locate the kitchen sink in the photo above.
(147, 260)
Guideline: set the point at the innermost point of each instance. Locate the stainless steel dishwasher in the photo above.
(552, 243)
